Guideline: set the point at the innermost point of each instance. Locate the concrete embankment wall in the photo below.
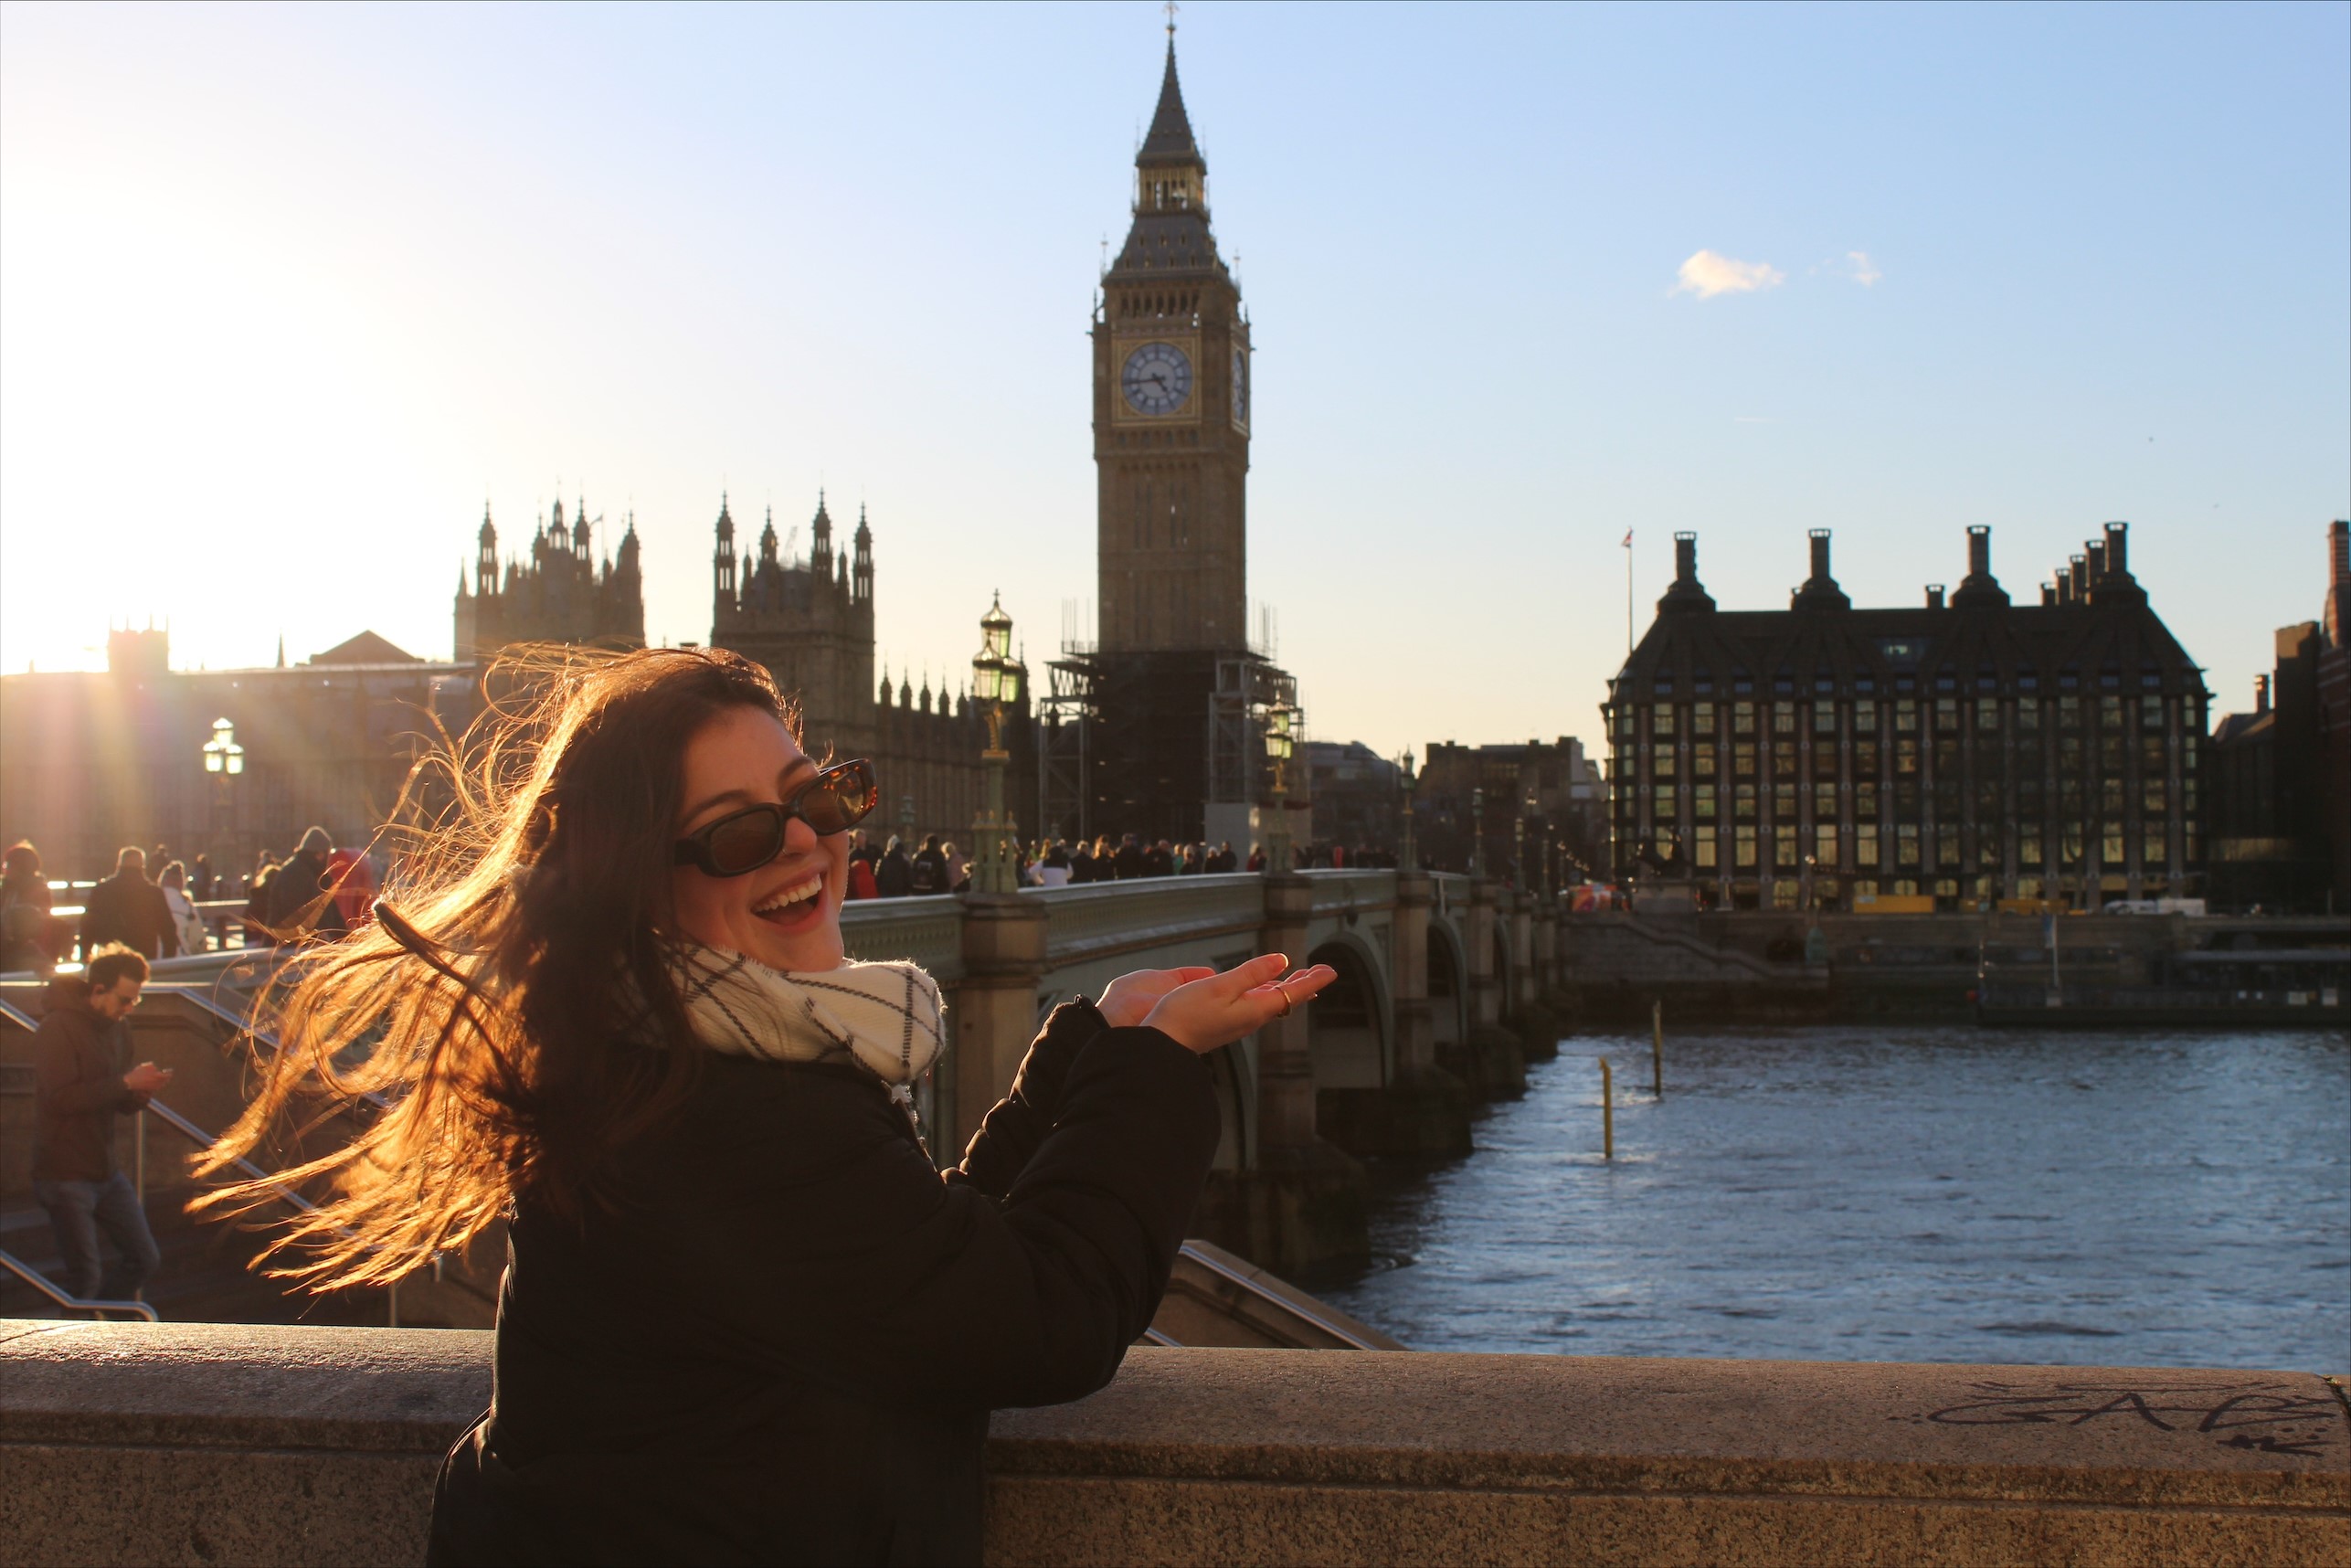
(1925, 968)
(182, 1443)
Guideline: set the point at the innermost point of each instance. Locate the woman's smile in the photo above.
(791, 908)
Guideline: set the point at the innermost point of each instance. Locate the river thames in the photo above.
(2123, 1199)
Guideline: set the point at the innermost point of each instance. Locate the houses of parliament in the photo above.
(809, 620)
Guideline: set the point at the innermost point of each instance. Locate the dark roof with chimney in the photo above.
(1693, 649)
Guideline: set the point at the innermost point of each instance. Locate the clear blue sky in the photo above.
(285, 293)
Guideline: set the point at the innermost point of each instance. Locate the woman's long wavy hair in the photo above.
(499, 1014)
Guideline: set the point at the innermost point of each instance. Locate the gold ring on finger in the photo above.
(1282, 992)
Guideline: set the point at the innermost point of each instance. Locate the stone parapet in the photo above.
(189, 1443)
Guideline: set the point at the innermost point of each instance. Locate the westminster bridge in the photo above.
(254, 1443)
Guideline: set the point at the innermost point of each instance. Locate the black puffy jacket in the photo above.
(786, 1351)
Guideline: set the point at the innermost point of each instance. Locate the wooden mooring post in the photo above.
(1657, 1048)
(1607, 1111)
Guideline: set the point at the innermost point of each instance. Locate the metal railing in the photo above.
(1288, 1305)
(72, 1303)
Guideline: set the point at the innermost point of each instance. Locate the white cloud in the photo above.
(1707, 274)
(1865, 271)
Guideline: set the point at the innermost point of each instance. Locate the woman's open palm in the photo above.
(1206, 1013)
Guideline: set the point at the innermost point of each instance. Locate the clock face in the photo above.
(1240, 386)
(1157, 379)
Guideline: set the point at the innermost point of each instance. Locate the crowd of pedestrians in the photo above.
(317, 890)
(899, 867)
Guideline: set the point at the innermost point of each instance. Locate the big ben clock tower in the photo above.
(1171, 412)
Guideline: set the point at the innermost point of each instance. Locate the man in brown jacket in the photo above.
(80, 1087)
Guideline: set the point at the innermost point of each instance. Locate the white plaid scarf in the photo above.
(887, 1018)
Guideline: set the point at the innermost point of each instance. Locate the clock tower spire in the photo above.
(1172, 411)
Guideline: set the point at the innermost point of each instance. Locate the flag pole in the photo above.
(1628, 593)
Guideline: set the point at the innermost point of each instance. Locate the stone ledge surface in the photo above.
(215, 1443)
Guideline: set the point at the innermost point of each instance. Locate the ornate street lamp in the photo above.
(1408, 856)
(996, 677)
(1281, 741)
(1477, 831)
(224, 760)
(222, 755)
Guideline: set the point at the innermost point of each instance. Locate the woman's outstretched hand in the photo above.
(1216, 1010)
(1130, 998)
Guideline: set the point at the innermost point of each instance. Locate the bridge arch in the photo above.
(1350, 1030)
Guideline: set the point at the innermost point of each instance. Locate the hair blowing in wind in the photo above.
(490, 1034)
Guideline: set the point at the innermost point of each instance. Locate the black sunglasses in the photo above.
(834, 801)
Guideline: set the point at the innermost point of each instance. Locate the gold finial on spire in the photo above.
(1171, 8)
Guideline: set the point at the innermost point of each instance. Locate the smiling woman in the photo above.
(744, 1317)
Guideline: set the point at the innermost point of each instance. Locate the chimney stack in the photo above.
(1685, 557)
(2261, 694)
(2079, 575)
(2049, 595)
(1820, 590)
(1979, 550)
(2095, 553)
(1934, 596)
(2118, 552)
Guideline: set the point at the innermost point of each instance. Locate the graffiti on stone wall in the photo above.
(2260, 1415)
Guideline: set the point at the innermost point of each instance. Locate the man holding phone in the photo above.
(80, 1087)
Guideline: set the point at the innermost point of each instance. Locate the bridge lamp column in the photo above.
(1477, 831)
(996, 677)
(1281, 741)
(224, 762)
(1408, 851)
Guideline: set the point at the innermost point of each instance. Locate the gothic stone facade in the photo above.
(557, 593)
(1969, 750)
